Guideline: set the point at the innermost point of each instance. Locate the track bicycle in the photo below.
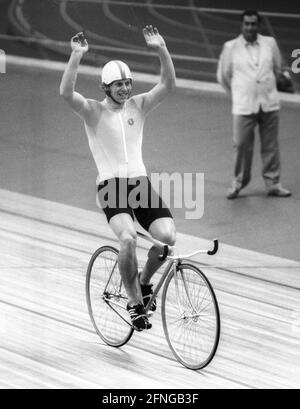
(189, 307)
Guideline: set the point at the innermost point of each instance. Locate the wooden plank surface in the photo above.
(47, 340)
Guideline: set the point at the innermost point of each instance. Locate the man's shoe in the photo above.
(233, 193)
(138, 317)
(279, 191)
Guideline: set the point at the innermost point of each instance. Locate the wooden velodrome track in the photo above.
(47, 340)
(46, 337)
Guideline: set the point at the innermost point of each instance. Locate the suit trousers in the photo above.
(243, 142)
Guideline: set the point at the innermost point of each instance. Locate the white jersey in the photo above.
(116, 141)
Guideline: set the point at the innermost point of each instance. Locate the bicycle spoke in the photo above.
(191, 317)
(106, 297)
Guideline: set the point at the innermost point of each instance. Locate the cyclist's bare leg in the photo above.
(123, 227)
(162, 229)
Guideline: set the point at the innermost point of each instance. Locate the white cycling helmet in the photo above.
(114, 71)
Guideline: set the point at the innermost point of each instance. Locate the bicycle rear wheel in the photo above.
(191, 318)
(106, 297)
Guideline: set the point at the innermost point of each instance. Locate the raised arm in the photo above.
(75, 100)
(167, 74)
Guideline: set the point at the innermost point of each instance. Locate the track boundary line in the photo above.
(186, 8)
(54, 214)
(58, 66)
(227, 269)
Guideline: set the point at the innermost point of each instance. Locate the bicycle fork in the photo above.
(182, 312)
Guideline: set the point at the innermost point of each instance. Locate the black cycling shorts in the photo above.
(134, 196)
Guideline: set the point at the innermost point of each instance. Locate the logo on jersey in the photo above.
(130, 121)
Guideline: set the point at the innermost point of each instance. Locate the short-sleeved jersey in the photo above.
(116, 140)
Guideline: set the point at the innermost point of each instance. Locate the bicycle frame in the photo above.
(174, 261)
(166, 272)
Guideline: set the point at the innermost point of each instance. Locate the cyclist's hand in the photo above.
(79, 43)
(153, 38)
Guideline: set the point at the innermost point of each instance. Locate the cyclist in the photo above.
(114, 127)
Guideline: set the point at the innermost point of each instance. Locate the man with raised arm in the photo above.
(114, 127)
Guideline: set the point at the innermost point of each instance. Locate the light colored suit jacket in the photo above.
(251, 85)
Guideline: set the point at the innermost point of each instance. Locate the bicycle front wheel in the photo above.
(191, 318)
(106, 297)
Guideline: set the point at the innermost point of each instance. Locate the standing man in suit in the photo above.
(247, 70)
